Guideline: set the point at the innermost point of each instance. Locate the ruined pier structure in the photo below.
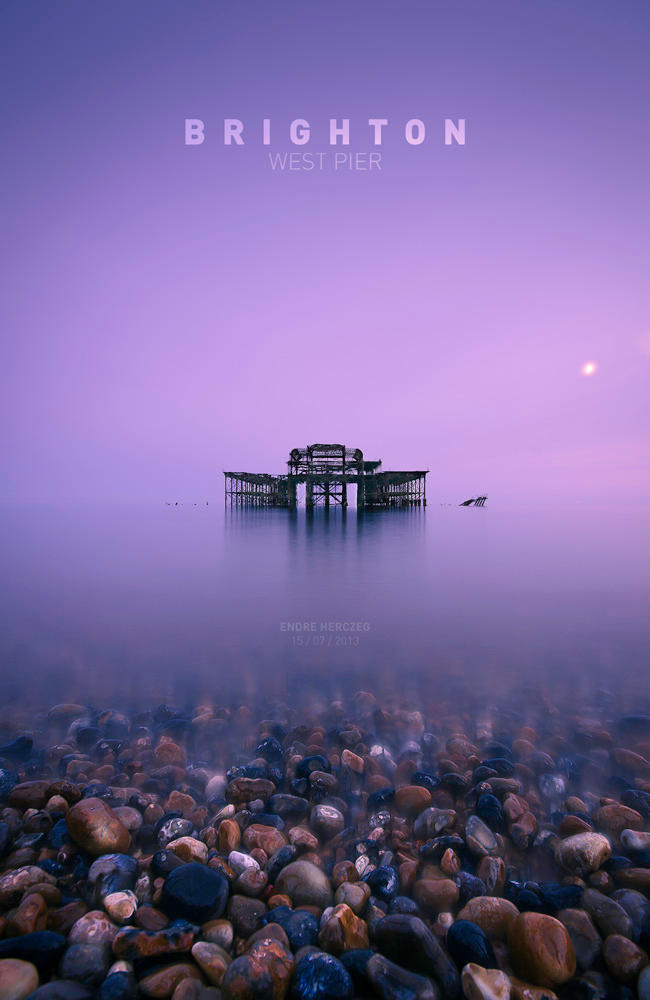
(326, 471)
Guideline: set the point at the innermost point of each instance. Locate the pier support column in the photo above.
(361, 492)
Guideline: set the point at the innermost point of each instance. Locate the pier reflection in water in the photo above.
(175, 599)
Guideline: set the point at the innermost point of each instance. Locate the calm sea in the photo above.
(132, 604)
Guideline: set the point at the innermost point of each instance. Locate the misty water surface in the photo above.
(159, 601)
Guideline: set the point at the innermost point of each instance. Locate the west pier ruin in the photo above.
(326, 471)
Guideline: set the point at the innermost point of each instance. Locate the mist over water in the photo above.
(125, 605)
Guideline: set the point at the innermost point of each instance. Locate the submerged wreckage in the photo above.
(326, 471)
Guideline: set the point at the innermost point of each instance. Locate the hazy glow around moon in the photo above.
(589, 368)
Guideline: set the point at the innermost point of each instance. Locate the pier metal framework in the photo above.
(326, 471)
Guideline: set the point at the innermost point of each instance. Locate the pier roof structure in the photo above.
(326, 471)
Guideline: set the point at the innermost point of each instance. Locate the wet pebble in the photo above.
(392, 982)
(485, 984)
(195, 892)
(623, 958)
(467, 942)
(541, 950)
(319, 976)
(17, 979)
(305, 884)
(93, 825)
(85, 963)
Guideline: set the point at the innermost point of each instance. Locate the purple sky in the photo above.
(171, 311)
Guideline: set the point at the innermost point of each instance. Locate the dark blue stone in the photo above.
(268, 819)
(466, 942)
(381, 798)
(435, 848)
(383, 882)
(635, 799)
(469, 887)
(276, 774)
(501, 765)
(616, 863)
(87, 736)
(482, 773)
(195, 892)
(556, 896)
(300, 926)
(425, 780)
(18, 749)
(488, 808)
(320, 976)
(284, 856)
(5, 837)
(42, 948)
(635, 725)
(617, 785)
(529, 901)
(270, 749)
(7, 781)
(96, 790)
(299, 787)
(62, 989)
(118, 986)
(59, 835)
(455, 782)
(315, 762)
(52, 867)
(163, 863)
(356, 961)
(408, 941)
(80, 868)
(511, 889)
(255, 771)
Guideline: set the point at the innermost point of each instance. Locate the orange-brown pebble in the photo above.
(228, 836)
(492, 871)
(541, 950)
(30, 916)
(623, 958)
(406, 874)
(435, 895)
(168, 752)
(162, 983)
(300, 836)
(450, 863)
(343, 931)
(93, 825)
(613, 818)
(267, 838)
(492, 914)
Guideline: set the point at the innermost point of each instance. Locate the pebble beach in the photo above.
(358, 848)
